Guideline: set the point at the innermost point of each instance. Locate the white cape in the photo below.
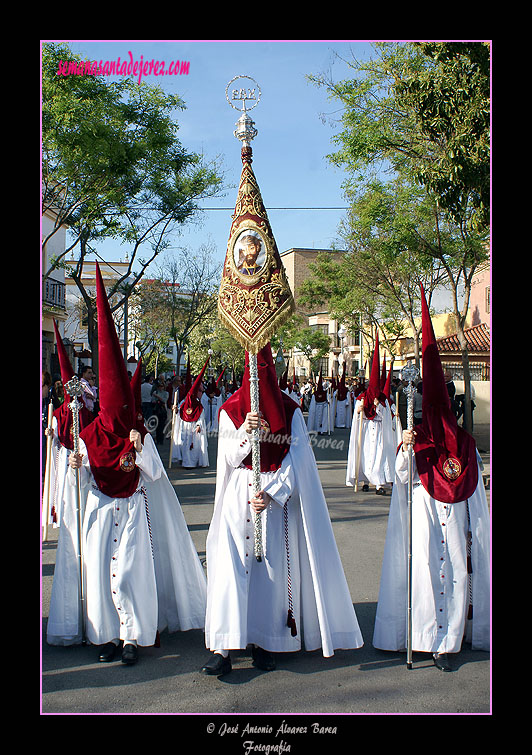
(377, 442)
(58, 470)
(190, 447)
(211, 406)
(167, 554)
(247, 601)
(342, 411)
(440, 583)
(320, 419)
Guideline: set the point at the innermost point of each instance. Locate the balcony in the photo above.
(53, 294)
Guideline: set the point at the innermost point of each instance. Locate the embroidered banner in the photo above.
(254, 297)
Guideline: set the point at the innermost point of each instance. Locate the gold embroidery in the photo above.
(127, 462)
(452, 468)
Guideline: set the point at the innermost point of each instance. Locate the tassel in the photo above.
(470, 612)
(157, 643)
(469, 561)
(191, 446)
(291, 622)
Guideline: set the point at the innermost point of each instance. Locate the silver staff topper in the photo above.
(409, 375)
(243, 91)
(74, 389)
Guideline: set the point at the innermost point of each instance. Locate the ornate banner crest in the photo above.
(254, 297)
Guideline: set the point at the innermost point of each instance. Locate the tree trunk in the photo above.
(467, 420)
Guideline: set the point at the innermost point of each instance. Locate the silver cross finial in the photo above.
(247, 91)
(74, 387)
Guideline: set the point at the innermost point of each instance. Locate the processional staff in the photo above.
(74, 389)
(359, 438)
(409, 374)
(47, 473)
(254, 297)
(174, 410)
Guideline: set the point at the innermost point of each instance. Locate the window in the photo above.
(323, 365)
(477, 370)
(323, 327)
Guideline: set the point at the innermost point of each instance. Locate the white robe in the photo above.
(142, 571)
(211, 407)
(440, 582)
(186, 435)
(395, 431)
(58, 470)
(247, 601)
(319, 418)
(377, 448)
(342, 411)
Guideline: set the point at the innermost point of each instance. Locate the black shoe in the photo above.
(381, 491)
(441, 661)
(130, 654)
(262, 659)
(107, 652)
(365, 488)
(217, 665)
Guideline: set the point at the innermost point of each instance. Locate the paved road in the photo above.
(363, 681)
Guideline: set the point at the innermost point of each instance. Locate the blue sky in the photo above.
(289, 152)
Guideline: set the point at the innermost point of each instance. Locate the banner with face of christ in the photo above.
(254, 298)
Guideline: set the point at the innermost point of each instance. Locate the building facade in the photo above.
(53, 294)
(355, 351)
(345, 348)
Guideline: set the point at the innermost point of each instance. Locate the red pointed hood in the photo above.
(63, 414)
(111, 453)
(218, 390)
(373, 390)
(445, 453)
(117, 405)
(65, 365)
(320, 394)
(275, 406)
(383, 373)
(192, 407)
(342, 388)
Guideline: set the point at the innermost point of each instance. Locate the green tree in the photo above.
(226, 350)
(451, 103)
(114, 168)
(376, 282)
(421, 112)
(151, 325)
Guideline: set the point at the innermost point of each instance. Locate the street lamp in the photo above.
(341, 334)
